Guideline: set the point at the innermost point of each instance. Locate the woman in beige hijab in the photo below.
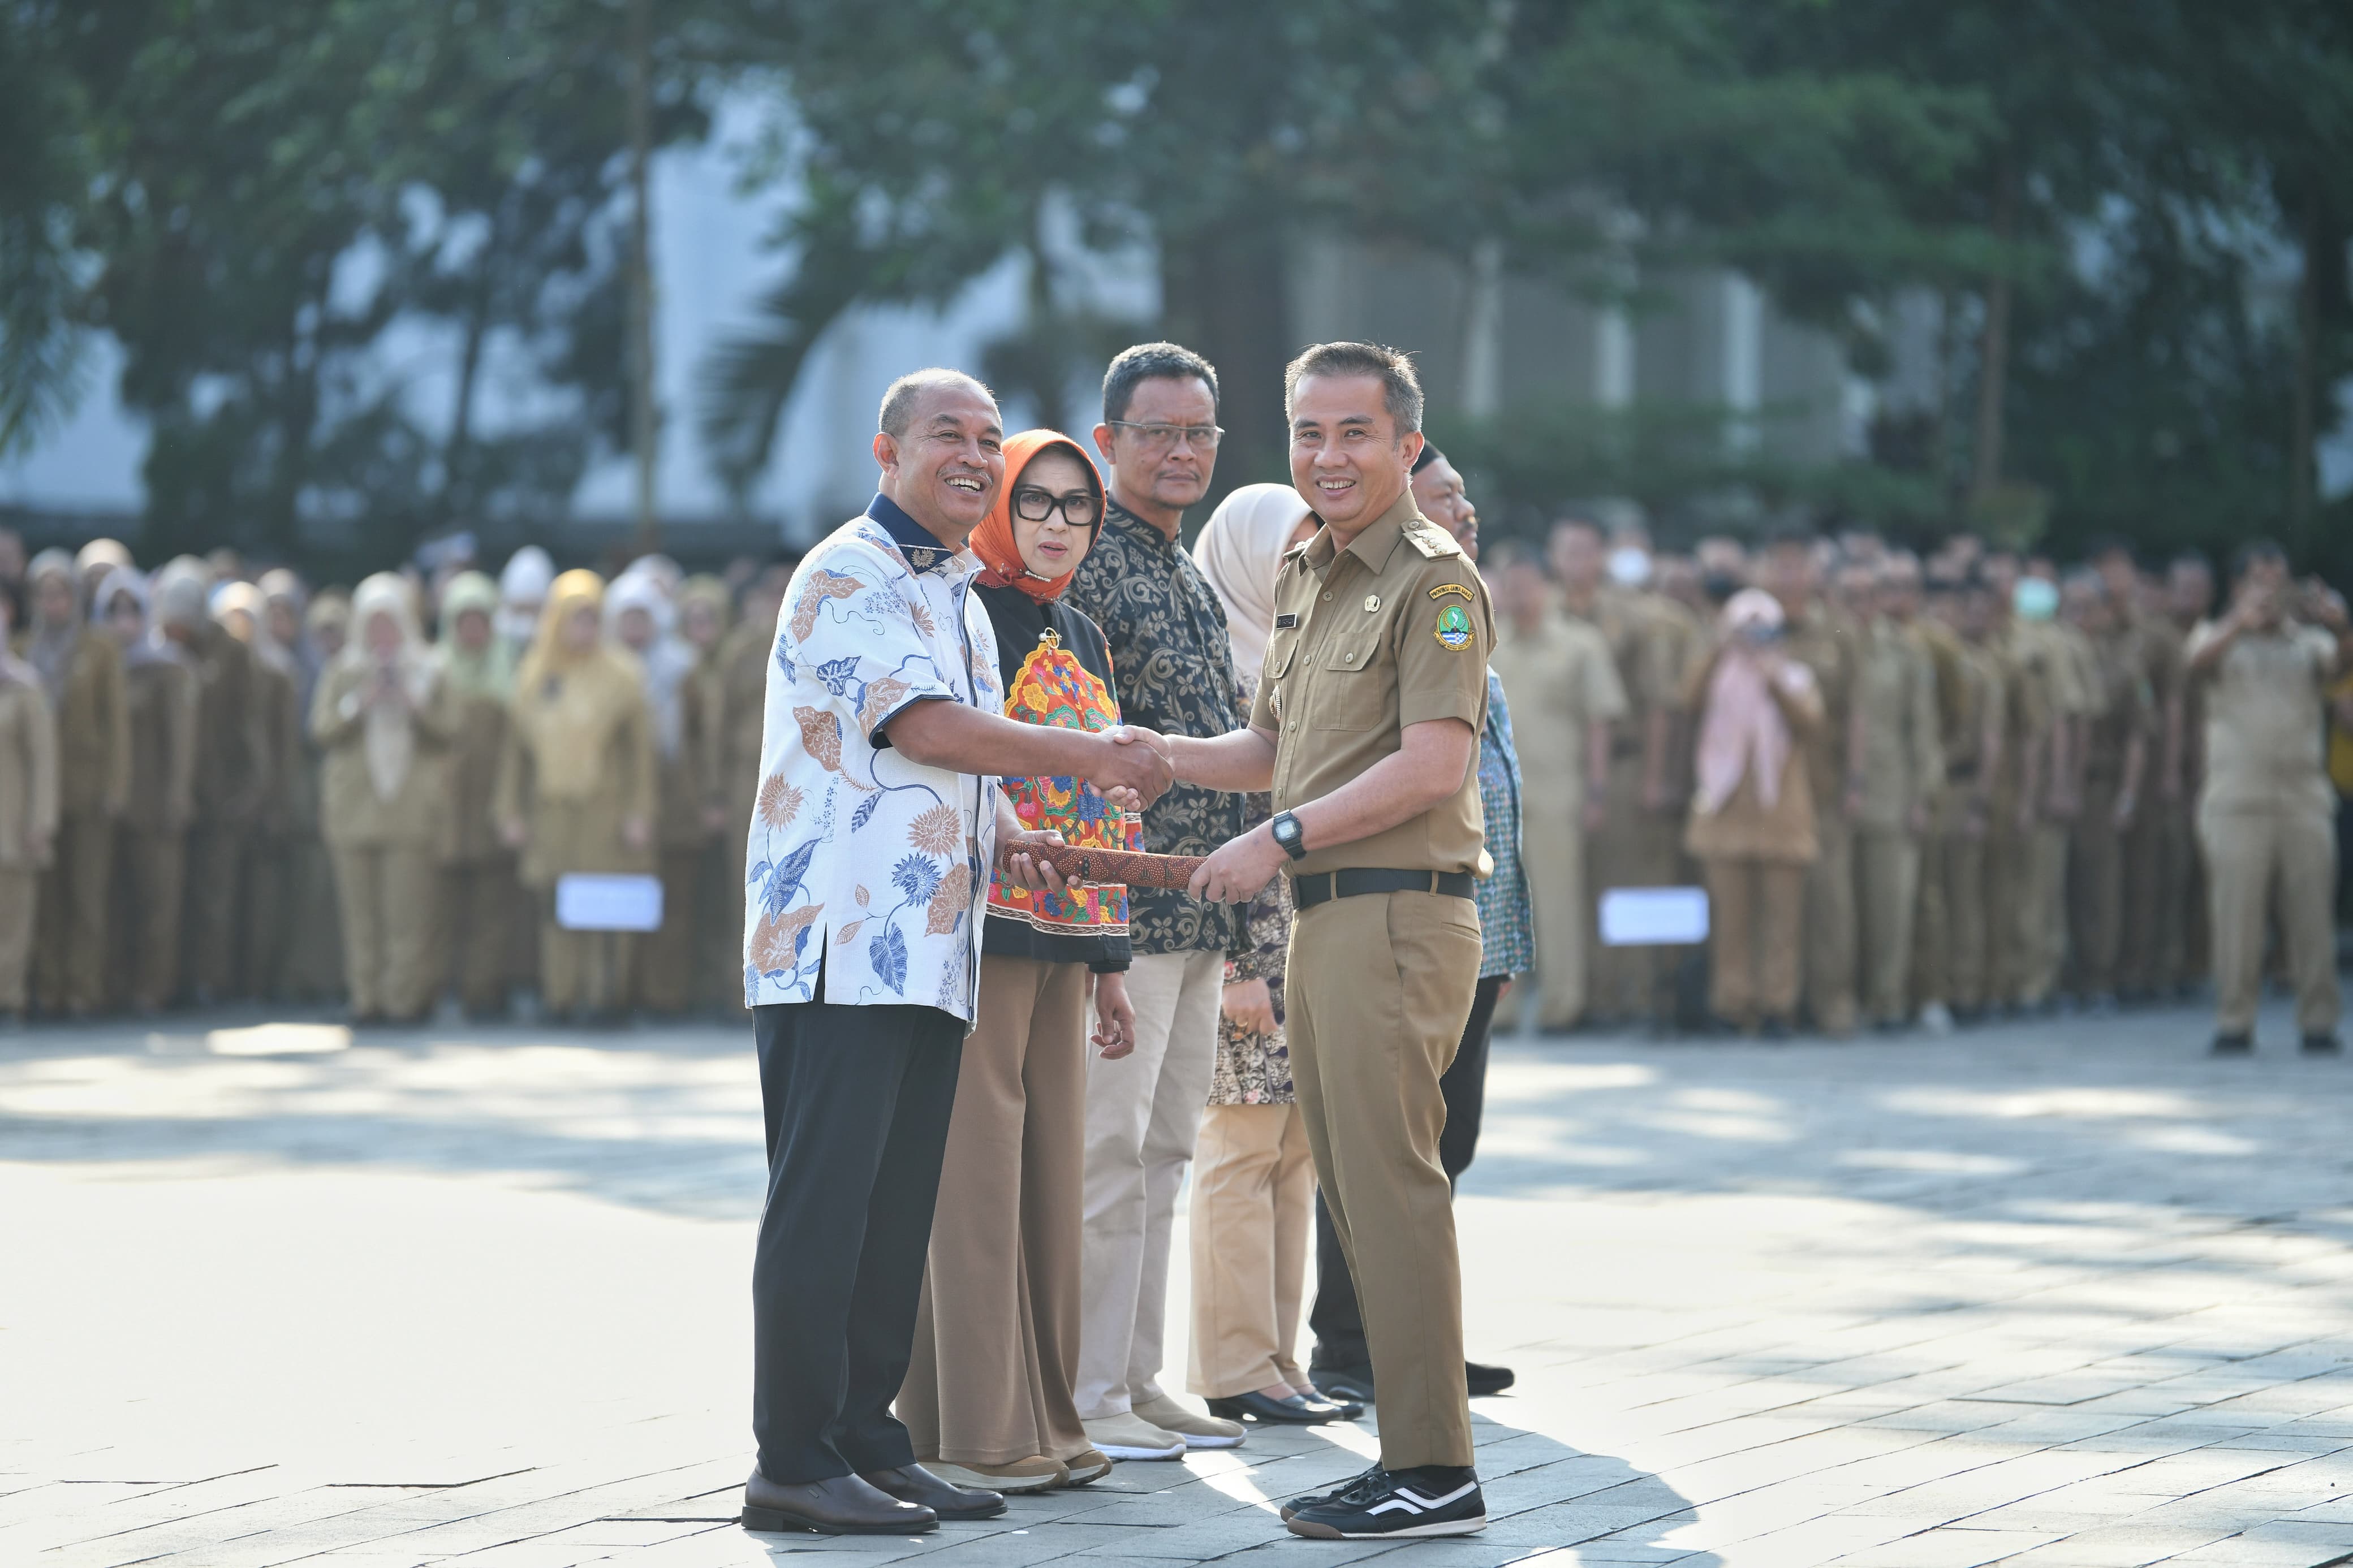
(383, 717)
(577, 789)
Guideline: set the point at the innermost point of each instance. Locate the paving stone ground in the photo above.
(2066, 1293)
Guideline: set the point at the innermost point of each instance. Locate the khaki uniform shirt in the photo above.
(1391, 631)
(2266, 704)
(1651, 651)
(1560, 679)
(1814, 641)
(1903, 744)
(93, 728)
(28, 774)
(2122, 706)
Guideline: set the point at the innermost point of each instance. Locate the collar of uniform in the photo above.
(1374, 546)
(920, 545)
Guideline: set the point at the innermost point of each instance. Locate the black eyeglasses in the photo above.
(1163, 437)
(1079, 509)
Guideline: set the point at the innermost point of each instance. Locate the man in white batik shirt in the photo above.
(878, 817)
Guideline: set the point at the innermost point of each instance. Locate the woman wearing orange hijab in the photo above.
(987, 1397)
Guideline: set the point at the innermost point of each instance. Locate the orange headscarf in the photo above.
(1000, 558)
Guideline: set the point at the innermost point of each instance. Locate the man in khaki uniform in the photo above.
(2152, 874)
(231, 774)
(1640, 846)
(2053, 661)
(2267, 816)
(1902, 765)
(1365, 724)
(2115, 756)
(1564, 688)
(81, 676)
(28, 815)
(1787, 570)
(2012, 936)
(2182, 938)
(1953, 945)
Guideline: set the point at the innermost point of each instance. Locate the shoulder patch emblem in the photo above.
(1445, 588)
(1453, 629)
(1433, 542)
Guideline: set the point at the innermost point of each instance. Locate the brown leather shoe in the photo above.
(914, 1484)
(838, 1505)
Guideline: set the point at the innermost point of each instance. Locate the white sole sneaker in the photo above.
(1451, 1526)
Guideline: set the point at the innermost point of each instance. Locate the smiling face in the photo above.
(945, 470)
(1346, 456)
(1051, 547)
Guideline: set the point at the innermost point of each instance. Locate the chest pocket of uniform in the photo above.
(1353, 685)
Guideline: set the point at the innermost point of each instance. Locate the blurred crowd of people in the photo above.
(220, 785)
(1927, 790)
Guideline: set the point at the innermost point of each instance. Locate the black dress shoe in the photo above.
(1344, 1382)
(1348, 1408)
(2232, 1045)
(1292, 1411)
(2321, 1046)
(1485, 1380)
(914, 1484)
(838, 1505)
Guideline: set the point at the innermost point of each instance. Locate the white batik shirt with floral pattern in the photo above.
(864, 868)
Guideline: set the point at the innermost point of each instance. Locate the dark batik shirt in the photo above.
(1174, 673)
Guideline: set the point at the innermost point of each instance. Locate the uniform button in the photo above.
(1327, 598)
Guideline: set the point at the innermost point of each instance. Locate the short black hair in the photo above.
(1393, 368)
(2254, 550)
(901, 397)
(1130, 367)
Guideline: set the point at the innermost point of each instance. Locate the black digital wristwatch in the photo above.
(1290, 835)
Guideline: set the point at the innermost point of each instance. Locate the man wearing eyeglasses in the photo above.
(1174, 669)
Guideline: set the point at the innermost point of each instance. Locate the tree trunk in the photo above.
(1226, 297)
(644, 421)
(1993, 351)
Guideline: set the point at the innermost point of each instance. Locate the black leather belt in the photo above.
(1306, 892)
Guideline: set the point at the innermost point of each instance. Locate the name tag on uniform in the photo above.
(1286, 621)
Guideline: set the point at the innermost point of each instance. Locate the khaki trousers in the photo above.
(1756, 918)
(2095, 891)
(70, 953)
(2146, 884)
(387, 894)
(996, 1335)
(1144, 1112)
(2009, 920)
(19, 891)
(582, 971)
(1958, 948)
(1253, 1206)
(2252, 858)
(1375, 989)
(478, 908)
(215, 904)
(143, 925)
(2044, 906)
(666, 957)
(1552, 848)
(1887, 892)
(1830, 925)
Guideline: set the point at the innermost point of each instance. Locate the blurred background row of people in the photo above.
(218, 786)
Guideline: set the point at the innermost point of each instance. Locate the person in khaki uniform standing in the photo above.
(2181, 937)
(1787, 570)
(1365, 724)
(2267, 816)
(151, 836)
(28, 815)
(2152, 872)
(232, 776)
(1566, 695)
(383, 717)
(480, 894)
(1648, 645)
(1903, 763)
(2115, 755)
(82, 676)
(2054, 665)
(1952, 946)
(269, 868)
(577, 787)
(704, 607)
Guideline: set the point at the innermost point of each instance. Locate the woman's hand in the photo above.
(1251, 1005)
(1115, 1034)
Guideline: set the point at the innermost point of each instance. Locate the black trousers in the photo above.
(858, 1101)
(1337, 1318)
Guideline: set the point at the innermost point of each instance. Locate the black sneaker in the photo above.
(1317, 1500)
(2321, 1044)
(2233, 1046)
(1431, 1500)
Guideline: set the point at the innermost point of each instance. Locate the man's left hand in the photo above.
(1239, 870)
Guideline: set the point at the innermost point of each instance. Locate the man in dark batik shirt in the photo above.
(1174, 667)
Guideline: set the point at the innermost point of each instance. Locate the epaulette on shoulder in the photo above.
(1434, 542)
(1296, 550)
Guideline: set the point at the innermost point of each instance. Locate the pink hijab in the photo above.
(1741, 729)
